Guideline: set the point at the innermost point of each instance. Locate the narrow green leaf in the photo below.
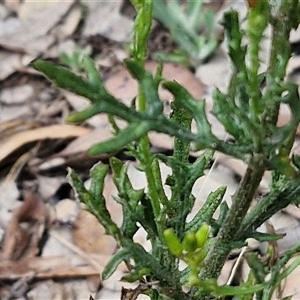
(149, 86)
(206, 212)
(93, 74)
(195, 107)
(120, 256)
(258, 268)
(265, 237)
(65, 78)
(132, 133)
(98, 173)
(196, 170)
(78, 185)
(136, 275)
(80, 116)
(235, 35)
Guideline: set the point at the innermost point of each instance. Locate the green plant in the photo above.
(248, 111)
(185, 26)
(74, 60)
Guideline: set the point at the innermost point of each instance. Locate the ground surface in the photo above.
(50, 247)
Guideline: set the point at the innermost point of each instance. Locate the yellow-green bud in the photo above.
(199, 256)
(194, 280)
(189, 242)
(173, 242)
(202, 234)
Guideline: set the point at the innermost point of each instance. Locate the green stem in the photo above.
(258, 19)
(282, 23)
(241, 201)
(181, 153)
(142, 29)
(269, 205)
(146, 161)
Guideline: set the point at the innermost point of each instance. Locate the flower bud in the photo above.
(202, 234)
(173, 242)
(189, 242)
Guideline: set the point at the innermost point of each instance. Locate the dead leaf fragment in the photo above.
(16, 95)
(48, 267)
(104, 18)
(36, 21)
(10, 62)
(24, 229)
(67, 211)
(83, 143)
(89, 235)
(50, 132)
(69, 23)
(132, 294)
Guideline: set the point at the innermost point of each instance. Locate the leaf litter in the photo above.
(57, 259)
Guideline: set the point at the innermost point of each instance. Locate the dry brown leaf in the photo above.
(67, 289)
(69, 23)
(68, 235)
(217, 72)
(293, 210)
(9, 191)
(104, 18)
(36, 20)
(36, 165)
(133, 294)
(10, 62)
(48, 267)
(122, 86)
(50, 132)
(86, 141)
(9, 113)
(47, 186)
(67, 211)
(180, 74)
(51, 290)
(67, 46)
(75, 254)
(161, 141)
(21, 241)
(89, 235)
(16, 95)
(27, 8)
(226, 270)
(8, 201)
(63, 216)
(12, 5)
(290, 239)
(14, 126)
